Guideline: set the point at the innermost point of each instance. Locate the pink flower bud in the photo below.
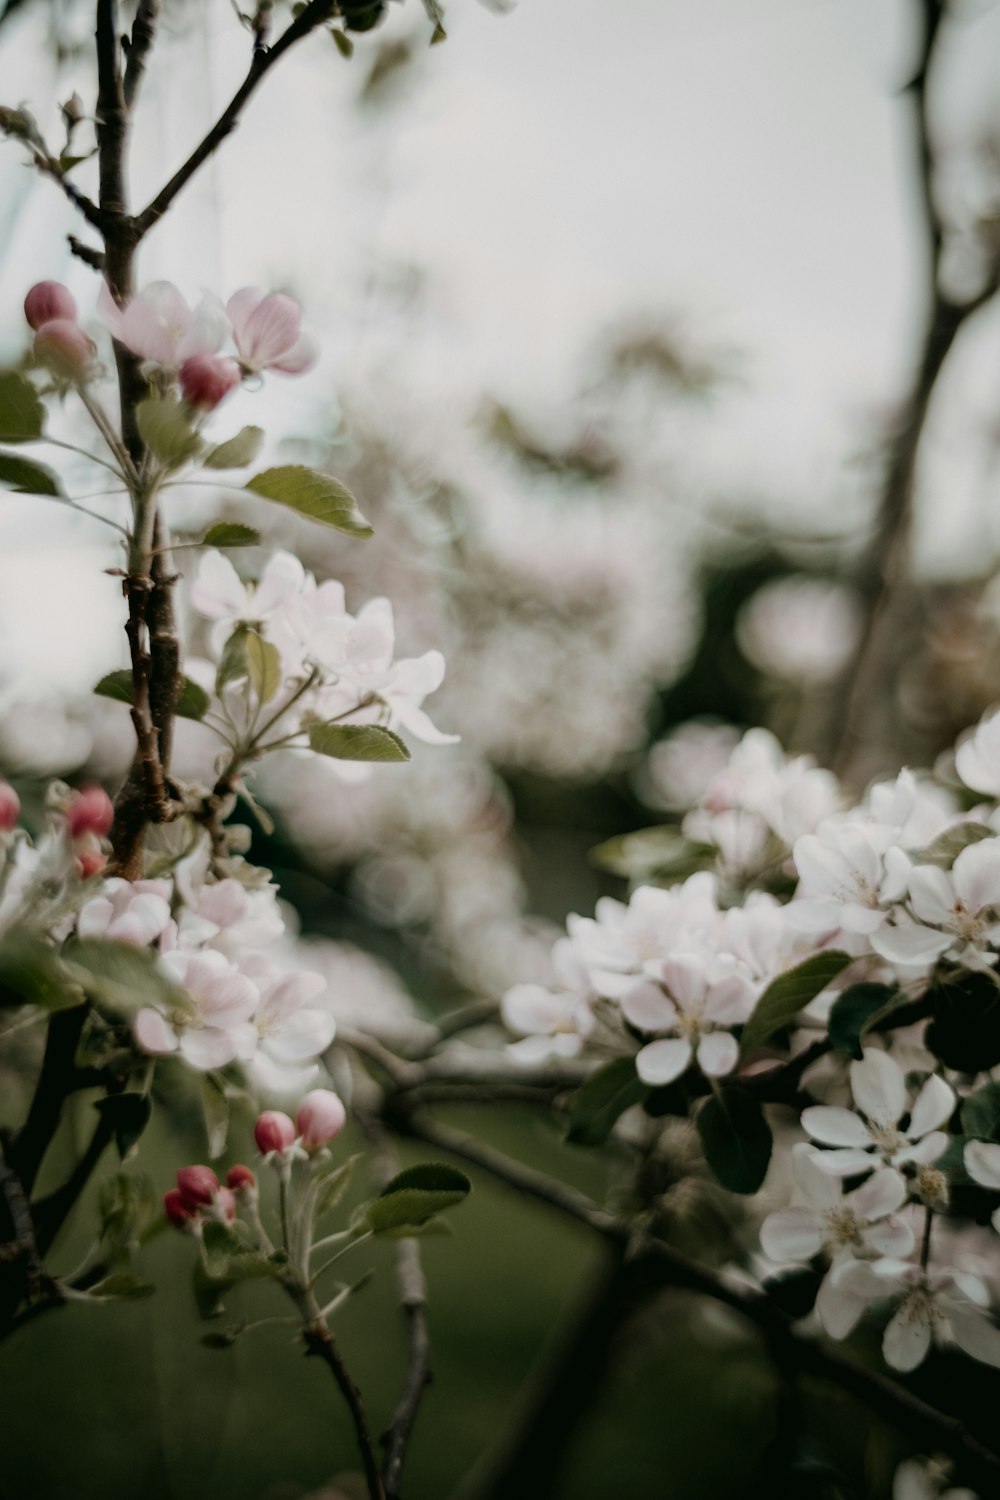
(47, 301)
(90, 811)
(206, 379)
(197, 1186)
(64, 348)
(10, 807)
(177, 1210)
(321, 1116)
(240, 1179)
(273, 1131)
(90, 862)
(227, 1202)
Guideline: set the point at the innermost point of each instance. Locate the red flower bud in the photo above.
(197, 1186)
(206, 379)
(64, 348)
(90, 811)
(10, 807)
(273, 1131)
(47, 301)
(321, 1116)
(177, 1210)
(90, 862)
(240, 1179)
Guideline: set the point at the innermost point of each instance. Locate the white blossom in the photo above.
(863, 1140)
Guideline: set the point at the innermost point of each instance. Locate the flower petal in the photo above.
(663, 1061)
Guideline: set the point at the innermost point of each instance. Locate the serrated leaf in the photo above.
(786, 995)
(264, 666)
(652, 851)
(333, 1187)
(230, 534)
(599, 1102)
(414, 1196)
(357, 742)
(30, 974)
(127, 1288)
(735, 1138)
(853, 1012)
(165, 427)
(192, 700)
(233, 662)
(22, 415)
(236, 451)
(120, 975)
(25, 477)
(981, 1113)
(129, 1114)
(311, 494)
(945, 849)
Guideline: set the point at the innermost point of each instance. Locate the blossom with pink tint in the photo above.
(320, 1117)
(47, 301)
(158, 325)
(197, 1186)
(64, 348)
(274, 1131)
(91, 862)
(10, 807)
(225, 1203)
(128, 911)
(240, 1179)
(207, 379)
(267, 330)
(214, 1029)
(291, 1031)
(177, 1209)
(90, 811)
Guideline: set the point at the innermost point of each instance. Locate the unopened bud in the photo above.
(225, 1203)
(48, 301)
(206, 379)
(197, 1186)
(64, 348)
(273, 1131)
(10, 807)
(73, 111)
(321, 1116)
(177, 1210)
(90, 862)
(241, 1180)
(90, 811)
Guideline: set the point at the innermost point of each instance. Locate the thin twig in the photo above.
(139, 47)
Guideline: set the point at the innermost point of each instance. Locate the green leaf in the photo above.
(981, 1113)
(30, 974)
(652, 851)
(414, 1196)
(192, 700)
(333, 1186)
(215, 1114)
(129, 1114)
(311, 494)
(234, 453)
(223, 1338)
(343, 43)
(264, 665)
(357, 742)
(165, 427)
(26, 477)
(121, 976)
(852, 1013)
(964, 1031)
(129, 1207)
(127, 1288)
(786, 995)
(735, 1138)
(233, 662)
(598, 1103)
(228, 1260)
(22, 415)
(947, 846)
(230, 534)
(208, 1291)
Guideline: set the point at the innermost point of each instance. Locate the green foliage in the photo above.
(235, 452)
(332, 1187)
(413, 1197)
(26, 477)
(263, 665)
(233, 662)
(981, 1113)
(30, 974)
(123, 1287)
(164, 424)
(22, 415)
(120, 976)
(192, 700)
(964, 1030)
(854, 1011)
(230, 534)
(129, 1209)
(599, 1102)
(785, 996)
(215, 1115)
(357, 742)
(129, 1114)
(946, 848)
(226, 1259)
(660, 851)
(735, 1137)
(311, 494)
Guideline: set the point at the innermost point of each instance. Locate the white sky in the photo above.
(746, 161)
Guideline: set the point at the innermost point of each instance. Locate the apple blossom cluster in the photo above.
(845, 1004)
(43, 883)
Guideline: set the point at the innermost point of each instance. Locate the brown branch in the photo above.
(86, 253)
(319, 1341)
(309, 18)
(139, 46)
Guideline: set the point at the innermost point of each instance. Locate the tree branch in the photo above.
(140, 44)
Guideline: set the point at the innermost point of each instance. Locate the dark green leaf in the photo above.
(223, 1338)
(165, 427)
(981, 1113)
(26, 477)
(129, 1207)
(192, 700)
(121, 976)
(128, 1114)
(947, 846)
(22, 415)
(233, 662)
(230, 534)
(853, 1012)
(414, 1196)
(785, 996)
(228, 1260)
(343, 43)
(964, 1030)
(128, 1288)
(652, 851)
(235, 452)
(735, 1138)
(264, 666)
(333, 1187)
(30, 974)
(598, 1103)
(357, 742)
(312, 494)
